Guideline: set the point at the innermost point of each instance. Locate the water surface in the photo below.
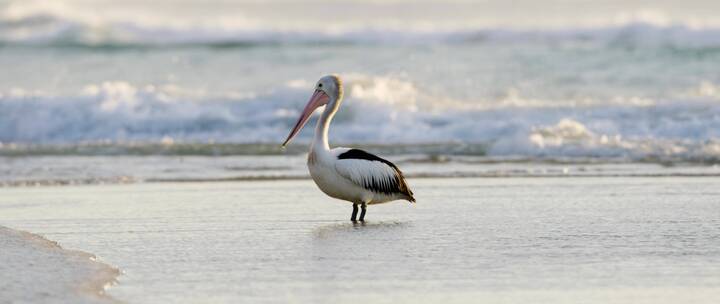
(597, 239)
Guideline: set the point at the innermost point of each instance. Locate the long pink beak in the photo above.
(318, 99)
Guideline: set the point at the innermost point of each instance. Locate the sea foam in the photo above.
(376, 110)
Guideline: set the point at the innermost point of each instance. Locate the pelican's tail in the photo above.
(409, 197)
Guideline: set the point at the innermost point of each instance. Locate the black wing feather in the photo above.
(395, 185)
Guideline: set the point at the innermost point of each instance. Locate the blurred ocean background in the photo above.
(627, 80)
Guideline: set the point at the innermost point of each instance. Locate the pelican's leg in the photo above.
(362, 213)
(354, 214)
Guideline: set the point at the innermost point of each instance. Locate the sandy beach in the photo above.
(511, 240)
(36, 269)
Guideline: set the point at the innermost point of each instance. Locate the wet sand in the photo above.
(510, 240)
(36, 270)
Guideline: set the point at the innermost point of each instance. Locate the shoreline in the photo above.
(67, 275)
(130, 181)
(67, 170)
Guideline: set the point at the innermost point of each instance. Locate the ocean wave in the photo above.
(119, 112)
(59, 28)
(121, 37)
(105, 24)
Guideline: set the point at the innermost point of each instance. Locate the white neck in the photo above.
(320, 142)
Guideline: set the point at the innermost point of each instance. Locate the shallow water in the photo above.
(118, 169)
(592, 240)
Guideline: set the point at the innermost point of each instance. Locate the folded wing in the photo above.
(373, 173)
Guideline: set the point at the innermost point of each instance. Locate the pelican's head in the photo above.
(328, 91)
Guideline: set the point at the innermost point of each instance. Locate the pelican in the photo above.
(348, 174)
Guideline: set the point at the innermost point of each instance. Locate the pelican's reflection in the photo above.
(332, 230)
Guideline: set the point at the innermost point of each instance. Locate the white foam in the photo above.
(377, 109)
(36, 270)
